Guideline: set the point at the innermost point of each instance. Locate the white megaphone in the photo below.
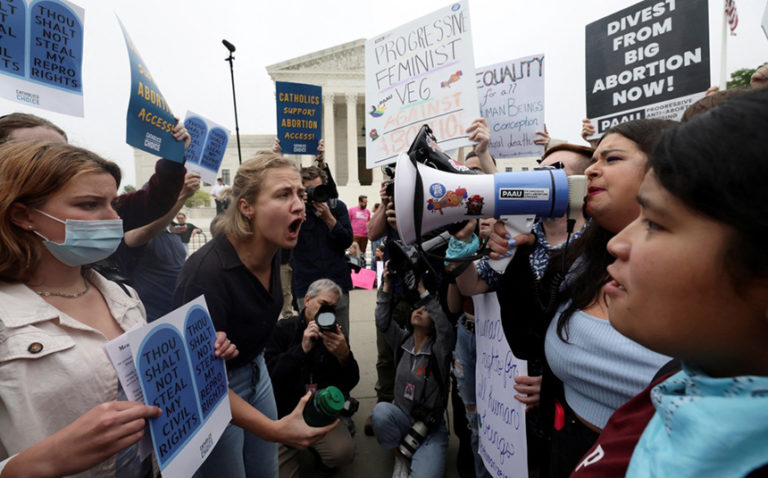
(447, 197)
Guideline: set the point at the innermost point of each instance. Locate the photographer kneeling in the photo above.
(413, 425)
(309, 352)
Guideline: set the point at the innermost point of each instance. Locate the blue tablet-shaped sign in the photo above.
(150, 120)
(56, 46)
(299, 113)
(166, 380)
(13, 58)
(198, 131)
(209, 372)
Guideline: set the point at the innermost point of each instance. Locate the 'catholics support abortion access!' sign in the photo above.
(512, 101)
(150, 120)
(299, 113)
(650, 60)
(41, 54)
(501, 417)
(422, 72)
(170, 363)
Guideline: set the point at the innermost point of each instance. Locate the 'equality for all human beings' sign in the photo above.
(501, 417)
(150, 120)
(649, 60)
(299, 113)
(207, 146)
(511, 98)
(41, 54)
(422, 72)
(172, 366)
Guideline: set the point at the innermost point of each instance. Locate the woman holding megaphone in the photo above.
(590, 369)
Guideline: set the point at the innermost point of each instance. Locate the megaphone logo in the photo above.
(450, 197)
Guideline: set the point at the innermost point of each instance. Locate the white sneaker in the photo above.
(402, 467)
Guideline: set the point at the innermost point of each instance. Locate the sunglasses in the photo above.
(555, 165)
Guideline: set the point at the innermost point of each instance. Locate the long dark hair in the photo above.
(716, 164)
(583, 289)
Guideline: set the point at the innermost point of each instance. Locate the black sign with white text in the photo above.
(649, 60)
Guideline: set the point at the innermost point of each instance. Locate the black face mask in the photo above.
(326, 318)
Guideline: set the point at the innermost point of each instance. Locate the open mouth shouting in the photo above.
(593, 191)
(294, 226)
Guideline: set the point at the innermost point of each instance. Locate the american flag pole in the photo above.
(724, 47)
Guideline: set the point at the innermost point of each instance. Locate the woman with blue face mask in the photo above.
(60, 408)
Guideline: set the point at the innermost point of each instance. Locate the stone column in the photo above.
(353, 179)
(328, 134)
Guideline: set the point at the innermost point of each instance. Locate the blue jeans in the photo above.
(240, 454)
(390, 424)
(465, 356)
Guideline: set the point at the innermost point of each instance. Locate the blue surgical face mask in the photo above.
(85, 242)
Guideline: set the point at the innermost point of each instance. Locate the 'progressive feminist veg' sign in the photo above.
(422, 72)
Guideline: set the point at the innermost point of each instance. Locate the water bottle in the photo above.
(324, 407)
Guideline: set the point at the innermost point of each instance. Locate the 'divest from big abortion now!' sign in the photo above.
(649, 60)
(420, 73)
(41, 54)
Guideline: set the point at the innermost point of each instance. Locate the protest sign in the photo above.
(512, 101)
(501, 418)
(765, 20)
(207, 146)
(422, 72)
(363, 279)
(299, 113)
(650, 60)
(41, 54)
(150, 120)
(174, 362)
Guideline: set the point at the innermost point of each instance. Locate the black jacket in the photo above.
(291, 369)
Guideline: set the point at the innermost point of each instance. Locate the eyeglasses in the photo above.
(555, 165)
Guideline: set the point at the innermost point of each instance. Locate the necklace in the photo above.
(66, 296)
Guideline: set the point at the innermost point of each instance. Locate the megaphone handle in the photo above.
(516, 224)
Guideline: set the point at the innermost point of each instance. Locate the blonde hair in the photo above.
(30, 173)
(247, 186)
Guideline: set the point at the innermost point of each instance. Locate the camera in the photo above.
(413, 439)
(319, 193)
(354, 263)
(350, 407)
(326, 318)
(407, 264)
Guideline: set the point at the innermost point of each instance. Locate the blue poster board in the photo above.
(150, 120)
(299, 113)
(41, 54)
(206, 148)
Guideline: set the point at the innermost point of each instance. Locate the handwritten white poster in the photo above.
(765, 20)
(501, 418)
(420, 73)
(512, 101)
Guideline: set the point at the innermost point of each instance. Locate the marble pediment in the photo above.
(347, 58)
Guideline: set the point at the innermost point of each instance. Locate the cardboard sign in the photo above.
(173, 360)
(422, 72)
(512, 101)
(206, 148)
(363, 279)
(41, 54)
(501, 418)
(150, 120)
(299, 117)
(650, 60)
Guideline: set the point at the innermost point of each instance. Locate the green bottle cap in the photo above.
(330, 401)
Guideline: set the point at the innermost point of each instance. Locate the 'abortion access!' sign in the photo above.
(650, 60)
(422, 72)
(41, 54)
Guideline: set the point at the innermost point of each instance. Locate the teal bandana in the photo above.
(704, 427)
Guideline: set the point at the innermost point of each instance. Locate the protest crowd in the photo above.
(643, 320)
